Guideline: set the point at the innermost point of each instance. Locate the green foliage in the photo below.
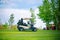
(5, 25)
(11, 20)
(32, 15)
(56, 12)
(45, 12)
(50, 11)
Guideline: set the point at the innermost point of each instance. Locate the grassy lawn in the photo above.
(39, 35)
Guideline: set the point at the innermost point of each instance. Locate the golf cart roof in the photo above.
(26, 18)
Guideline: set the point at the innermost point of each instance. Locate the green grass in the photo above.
(39, 35)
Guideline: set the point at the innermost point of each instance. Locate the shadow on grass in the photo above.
(57, 36)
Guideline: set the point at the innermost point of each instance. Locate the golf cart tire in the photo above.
(21, 29)
(34, 30)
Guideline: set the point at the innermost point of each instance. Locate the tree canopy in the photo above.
(45, 12)
(49, 11)
(11, 19)
(32, 15)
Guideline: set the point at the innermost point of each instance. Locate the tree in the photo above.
(11, 20)
(32, 15)
(56, 12)
(0, 22)
(45, 12)
(50, 11)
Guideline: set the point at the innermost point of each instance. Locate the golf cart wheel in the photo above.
(21, 29)
(34, 30)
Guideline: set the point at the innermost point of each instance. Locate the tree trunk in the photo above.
(47, 25)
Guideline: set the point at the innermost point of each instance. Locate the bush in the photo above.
(5, 25)
(14, 27)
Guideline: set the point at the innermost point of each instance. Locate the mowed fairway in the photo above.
(39, 35)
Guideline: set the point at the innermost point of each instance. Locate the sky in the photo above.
(20, 9)
(20, 4)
